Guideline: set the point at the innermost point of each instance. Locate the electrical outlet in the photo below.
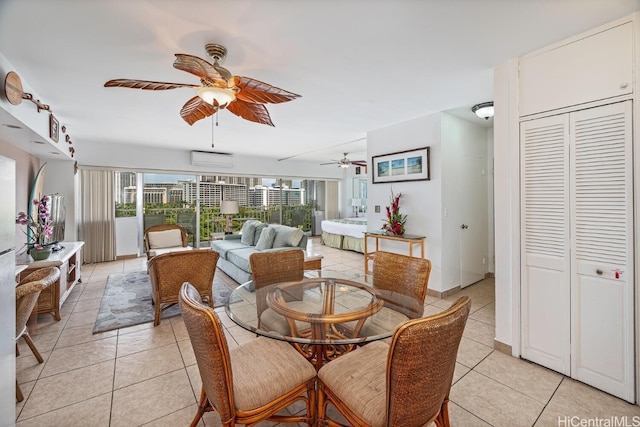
(377, 208)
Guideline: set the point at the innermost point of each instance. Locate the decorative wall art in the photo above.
(410, 165)
(54, 128)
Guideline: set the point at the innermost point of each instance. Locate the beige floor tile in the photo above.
(212, 419)
(87, 304)
(152, 399)
(145, 339)
(87, 317)
(80, 335)
(493, 402)
(26, 389)
(71, 387)
(479, 332)
(69, 358)
(528, 378)
(470, 352)
(28, 368)
(92, 291)
(195, 380)
(46, 323)
(459, 372)
(463, 418)
(138, 367)
(43, 342)
(575, 399)
(240, 335)
(179, 329)
(486, 314)
(186, 352)
(91, 412)
(182, 417)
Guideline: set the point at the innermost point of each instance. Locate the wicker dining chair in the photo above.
(169, 271)
(268, 268)
(402, 283)
(177, 242)
(27, 293)
(249, 383)
(405, 383)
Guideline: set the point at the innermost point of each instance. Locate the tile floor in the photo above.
(148, 376)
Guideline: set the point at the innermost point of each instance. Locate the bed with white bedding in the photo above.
(345, 233)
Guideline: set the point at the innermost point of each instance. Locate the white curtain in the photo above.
(97, 216)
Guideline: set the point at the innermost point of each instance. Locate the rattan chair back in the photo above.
(169, 271)
(211, 350)
(28, 291)
(268, 268)
(165, 227)
(424, 350)
(402, 282)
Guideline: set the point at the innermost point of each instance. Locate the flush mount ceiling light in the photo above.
(484, 110)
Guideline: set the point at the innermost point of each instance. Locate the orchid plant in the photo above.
(38, 231)
(395, 221)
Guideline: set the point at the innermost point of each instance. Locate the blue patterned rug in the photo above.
(127, 301)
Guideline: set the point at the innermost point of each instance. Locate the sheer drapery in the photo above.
(97, 216)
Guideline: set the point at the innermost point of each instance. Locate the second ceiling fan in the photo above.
(218, 89)
(345, 162)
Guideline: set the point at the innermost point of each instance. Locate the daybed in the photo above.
(255, 236)
(346, 233)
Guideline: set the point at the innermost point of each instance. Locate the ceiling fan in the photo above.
(345, 162)
(218, 89)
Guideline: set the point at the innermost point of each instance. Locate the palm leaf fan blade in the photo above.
(258, 92)
(249, 111)
(196, 109)
(198, 67)
(145, 84)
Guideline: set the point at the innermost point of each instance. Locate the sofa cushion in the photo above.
(164, 239)
(259, 229)
(287, 236)
(224, 246)
(266, 239)
(248, 232)
(240, 257)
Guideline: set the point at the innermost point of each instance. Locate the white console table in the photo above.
(69, 261)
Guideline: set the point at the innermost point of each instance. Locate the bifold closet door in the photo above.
(545, 294)
(602, 253)
(577, 298)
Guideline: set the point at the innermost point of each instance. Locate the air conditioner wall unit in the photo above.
(204, 158)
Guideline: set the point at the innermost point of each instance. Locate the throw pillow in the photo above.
(287, 236)
(260, 226)
(248, 232)
(266, 239)
(164, 239)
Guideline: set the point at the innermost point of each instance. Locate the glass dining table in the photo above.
(324, 315)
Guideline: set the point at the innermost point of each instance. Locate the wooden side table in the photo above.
(312, 261)
(410, 239)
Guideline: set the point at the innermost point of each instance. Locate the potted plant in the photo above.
(38, 230)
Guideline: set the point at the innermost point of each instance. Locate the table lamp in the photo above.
(228, 208)
(356, 203)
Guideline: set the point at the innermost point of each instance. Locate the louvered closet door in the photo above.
(602, 322)
(545, 242)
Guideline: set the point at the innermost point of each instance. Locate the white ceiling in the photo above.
(358, 65)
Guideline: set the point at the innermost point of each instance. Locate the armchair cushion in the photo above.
(165, 239)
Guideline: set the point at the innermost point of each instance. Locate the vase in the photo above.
(40, 254)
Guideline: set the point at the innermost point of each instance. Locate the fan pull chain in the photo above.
(212, 128)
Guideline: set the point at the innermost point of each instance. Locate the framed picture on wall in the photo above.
(54, 128)
(410, 165)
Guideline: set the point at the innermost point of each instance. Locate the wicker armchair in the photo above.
(268, 268)
(27, 293)
(169, 271)
(163, 238)
(249, 383)
(402, 283)
(370, 386)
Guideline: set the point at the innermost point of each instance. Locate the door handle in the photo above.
(464, 226)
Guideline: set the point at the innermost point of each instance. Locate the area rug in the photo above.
(127, 301)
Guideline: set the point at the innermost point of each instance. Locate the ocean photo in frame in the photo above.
(409, 165)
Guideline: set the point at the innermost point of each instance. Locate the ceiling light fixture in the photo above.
(484, 110)
(221, 96)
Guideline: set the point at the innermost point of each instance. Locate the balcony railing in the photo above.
(211, 221)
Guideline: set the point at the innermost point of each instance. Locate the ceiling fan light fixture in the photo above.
(483, 110)
(222, 96)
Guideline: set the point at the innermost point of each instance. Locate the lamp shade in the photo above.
(356, 202)
(221, 95)
(229, 207)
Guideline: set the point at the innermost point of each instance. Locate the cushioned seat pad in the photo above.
(362, 385)
(224, 246)
(240, 257)
(265, 369)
